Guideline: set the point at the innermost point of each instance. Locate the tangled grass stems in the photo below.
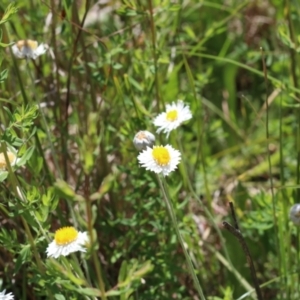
(206, 210)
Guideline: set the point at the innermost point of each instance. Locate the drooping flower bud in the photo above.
(295, 214)
(143, 139)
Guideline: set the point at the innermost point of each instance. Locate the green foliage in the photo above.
(69, 116)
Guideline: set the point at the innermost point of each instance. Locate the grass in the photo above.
(73, 112)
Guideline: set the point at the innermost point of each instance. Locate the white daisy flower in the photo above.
(160, 159)
(4, 296)
(67, 240)
(295, 214)
(12, 157)
(28, 49)
(176, 113)
(143, 139)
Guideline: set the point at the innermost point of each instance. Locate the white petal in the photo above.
(4, 296)
(25, 51)
(40, 50)
(17, 52)
(166, 126)
(147, 161)
(54, 250)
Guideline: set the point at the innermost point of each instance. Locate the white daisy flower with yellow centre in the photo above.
(12, 157)
(160, 159)
(67, 240)
(174, 116)
(4, 296)
(143, 139)
(28, 49)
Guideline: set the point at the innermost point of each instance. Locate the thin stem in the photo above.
(47, 130)
(35, 252)
(169, 205)
(44, 123)
(153, 36)
(293, 69)
(205, 209)
(68, 96)
(270, 163)
(57, 97)
(26, 101)
(237, 233)
(90, 230)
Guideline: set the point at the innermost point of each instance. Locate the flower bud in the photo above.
(143, 139)
(295, 214)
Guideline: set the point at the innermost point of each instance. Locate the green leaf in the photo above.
(3, 75)
(36, 163)
(3, 175)
(64, 189)
(42, 213)
(28, 153)
(90, 292)
(59, 297)
(23, 257)
(11, 9)
(123, 271)
(117, 66)
(112, 293)
(5, 45)
(175, 7)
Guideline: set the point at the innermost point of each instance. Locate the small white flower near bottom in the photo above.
(67, 240)
(4, 296)
(160, 159)
(295, 214)
(28, 49)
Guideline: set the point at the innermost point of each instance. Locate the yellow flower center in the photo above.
(65, 235)
(32, 44)
(11, 158)
(172, 115)
(29, 44)
(161, 155)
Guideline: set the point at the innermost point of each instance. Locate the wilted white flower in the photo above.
(143, 139)
(28, 49)
(295, 214)
(12, 157)
(4, 296)
(174, 116)
(67, 240)
(160, 159)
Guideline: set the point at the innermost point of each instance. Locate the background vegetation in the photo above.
(73, 112)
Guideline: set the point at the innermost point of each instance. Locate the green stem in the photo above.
(170, 208)
(270, 169)
(35, 253)
(47, 130)
(154, 53)
(90, 230)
